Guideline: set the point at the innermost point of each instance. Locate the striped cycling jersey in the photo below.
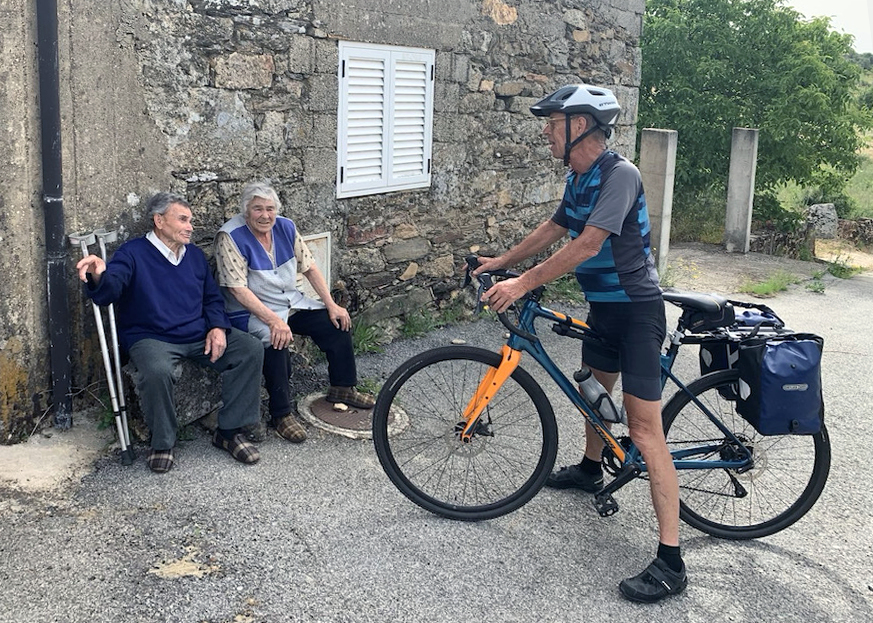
(609, 195)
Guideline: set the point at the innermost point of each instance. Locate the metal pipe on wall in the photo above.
(53, 208)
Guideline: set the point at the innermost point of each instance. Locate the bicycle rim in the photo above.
(508, 459)
(788, 475)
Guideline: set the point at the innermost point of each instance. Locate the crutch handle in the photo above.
(106, 235)
(82, 239)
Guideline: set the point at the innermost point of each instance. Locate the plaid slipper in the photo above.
(351, 397)
(289, 428)
(239, 447)
(160, 461)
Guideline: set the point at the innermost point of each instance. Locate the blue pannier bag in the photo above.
(780, 383)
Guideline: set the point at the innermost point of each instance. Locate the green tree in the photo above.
(711, 65)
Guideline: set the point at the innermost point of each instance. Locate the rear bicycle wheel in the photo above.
(502, 467)
(787, 476)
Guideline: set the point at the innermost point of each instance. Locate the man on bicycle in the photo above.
(604, 212)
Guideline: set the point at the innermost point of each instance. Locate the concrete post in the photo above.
(658, 167)
(741, 190)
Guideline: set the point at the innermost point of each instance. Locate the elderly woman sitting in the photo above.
(259, 255)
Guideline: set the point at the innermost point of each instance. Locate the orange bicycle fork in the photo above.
(488, 386)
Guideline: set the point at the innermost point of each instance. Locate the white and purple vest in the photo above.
(273, 282)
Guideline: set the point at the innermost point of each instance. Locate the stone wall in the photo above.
(858, 231)
(202, 96)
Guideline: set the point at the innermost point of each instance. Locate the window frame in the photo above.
(407, 76)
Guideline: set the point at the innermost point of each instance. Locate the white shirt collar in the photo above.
(165, 250)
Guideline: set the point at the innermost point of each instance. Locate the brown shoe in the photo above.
(160, 461)
(289, 428)
(238, 446)
(351, 397)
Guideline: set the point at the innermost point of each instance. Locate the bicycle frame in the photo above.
(524, 340)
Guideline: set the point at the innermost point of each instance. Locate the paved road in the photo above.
(317, 533)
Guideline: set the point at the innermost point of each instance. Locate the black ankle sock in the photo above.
(227, 433)
(670, 554)
(590, 466)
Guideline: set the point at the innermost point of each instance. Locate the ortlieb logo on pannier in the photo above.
(780, 383)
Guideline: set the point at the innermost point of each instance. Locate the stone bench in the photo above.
(197, 393)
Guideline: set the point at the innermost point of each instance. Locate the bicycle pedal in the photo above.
(605, 504)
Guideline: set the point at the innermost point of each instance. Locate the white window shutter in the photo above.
(411, 122)
(362, 125)
(385, 119)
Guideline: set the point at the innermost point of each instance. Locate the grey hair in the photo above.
(258, 189)
(159, 203)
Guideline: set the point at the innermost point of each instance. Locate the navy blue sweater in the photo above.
(154, 299)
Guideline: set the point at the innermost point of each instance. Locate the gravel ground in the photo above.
(316, 532)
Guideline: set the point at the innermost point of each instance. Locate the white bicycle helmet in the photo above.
(576, 99)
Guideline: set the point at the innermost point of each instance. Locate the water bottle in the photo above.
(596, 395)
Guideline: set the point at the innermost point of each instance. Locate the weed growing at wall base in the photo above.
(841, 268)
(366, 338)
(778, 282)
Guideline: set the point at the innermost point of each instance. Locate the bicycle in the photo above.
(468, 434)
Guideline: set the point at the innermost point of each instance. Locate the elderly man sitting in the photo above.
(259, 255)
(169, 308)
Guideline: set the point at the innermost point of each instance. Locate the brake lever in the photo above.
(480, 305)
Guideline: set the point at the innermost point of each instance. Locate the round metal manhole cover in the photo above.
(355, 423)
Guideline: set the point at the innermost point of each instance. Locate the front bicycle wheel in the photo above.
(787, 475)
(502, 467)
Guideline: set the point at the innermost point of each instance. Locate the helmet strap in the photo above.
(569, 145)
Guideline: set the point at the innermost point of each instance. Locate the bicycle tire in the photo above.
(498, 471)
(787, 478)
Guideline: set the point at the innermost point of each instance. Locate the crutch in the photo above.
(103, 236)
(84, 240)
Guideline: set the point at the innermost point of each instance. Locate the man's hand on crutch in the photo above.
(91, 264)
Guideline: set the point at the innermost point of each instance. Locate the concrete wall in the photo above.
(23, 361)
(201, 96)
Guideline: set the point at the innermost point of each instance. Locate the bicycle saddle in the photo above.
(709, 303)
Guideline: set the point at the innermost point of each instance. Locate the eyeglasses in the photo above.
(560, 120)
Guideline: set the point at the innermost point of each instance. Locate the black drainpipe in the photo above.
(53, 207)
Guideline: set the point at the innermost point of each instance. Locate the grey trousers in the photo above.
(157, 372)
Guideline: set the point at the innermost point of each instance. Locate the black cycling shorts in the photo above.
(633, 334)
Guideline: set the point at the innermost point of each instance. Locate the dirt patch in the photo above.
(840, 251)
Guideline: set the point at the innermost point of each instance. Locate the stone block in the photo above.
(405, 231)
(397, 305)
(520, 104)
(823, 218)
(445, 97)
(858, 231)
(319, 165)
(300, 58)
(576, 19)
(323, 95)
(197, 393)
(362, 261)
(326, 56)
(244, 71)
(406, 250)
(359, 234)
(509, 89)
(270, 135)
(476, 102)
(442, 267)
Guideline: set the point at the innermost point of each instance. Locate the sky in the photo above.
(854, 17)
